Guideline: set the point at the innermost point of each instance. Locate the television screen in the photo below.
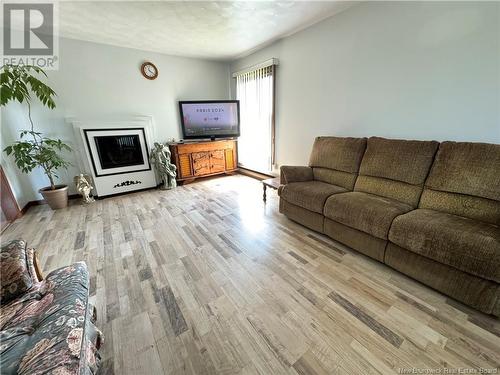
(210, 119)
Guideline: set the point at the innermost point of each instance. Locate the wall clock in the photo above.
(149, 70)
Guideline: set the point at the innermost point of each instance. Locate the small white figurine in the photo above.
(84, 188)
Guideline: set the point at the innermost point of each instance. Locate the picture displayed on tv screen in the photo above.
(210, 119)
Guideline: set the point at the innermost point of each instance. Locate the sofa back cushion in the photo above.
(15, 277)
(395, 168)
(465, 180)
(336, 160)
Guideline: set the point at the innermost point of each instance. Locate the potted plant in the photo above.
(19, 82)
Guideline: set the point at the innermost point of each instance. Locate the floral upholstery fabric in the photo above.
(15, 275)
(49, 329)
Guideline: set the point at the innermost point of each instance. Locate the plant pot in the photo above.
(57, 198)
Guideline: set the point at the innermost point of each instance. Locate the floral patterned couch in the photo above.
(46, 326)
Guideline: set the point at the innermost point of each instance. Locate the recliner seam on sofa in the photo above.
(428, 173)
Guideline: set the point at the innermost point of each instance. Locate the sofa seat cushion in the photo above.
(50, 328)
(469, 245)
(368, 213)
(310, 195)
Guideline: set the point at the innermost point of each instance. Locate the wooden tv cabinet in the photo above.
(204, 158)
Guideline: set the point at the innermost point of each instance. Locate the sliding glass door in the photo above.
(255, 91)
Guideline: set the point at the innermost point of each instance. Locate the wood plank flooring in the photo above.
(207, 279)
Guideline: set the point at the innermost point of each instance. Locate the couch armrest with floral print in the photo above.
(50, 327)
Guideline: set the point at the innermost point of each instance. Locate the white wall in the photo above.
(97, 81)
(422, 70)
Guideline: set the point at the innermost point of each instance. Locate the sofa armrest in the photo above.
(295, 174)
(15, 275)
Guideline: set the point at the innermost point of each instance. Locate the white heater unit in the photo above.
(116, 154)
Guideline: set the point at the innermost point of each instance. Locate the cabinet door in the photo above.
(230, 159)
(217, 163)
(184, 166)
(201, 163)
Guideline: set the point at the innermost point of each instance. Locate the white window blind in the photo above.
(255, 91)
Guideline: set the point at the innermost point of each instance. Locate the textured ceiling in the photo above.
(220, 30)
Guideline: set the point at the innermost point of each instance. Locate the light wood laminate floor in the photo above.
(207, 279)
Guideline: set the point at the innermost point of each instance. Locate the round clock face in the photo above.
(149, 70)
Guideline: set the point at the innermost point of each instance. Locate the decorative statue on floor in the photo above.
(83, 187)
(160, 157)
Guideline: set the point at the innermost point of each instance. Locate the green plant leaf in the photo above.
(5, 94)
(17, 81)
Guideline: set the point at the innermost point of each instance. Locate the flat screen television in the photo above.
(210, 118)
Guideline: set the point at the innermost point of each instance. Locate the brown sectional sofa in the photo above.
(430, 210)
